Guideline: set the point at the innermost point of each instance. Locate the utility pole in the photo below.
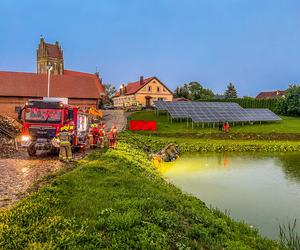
(50, 67)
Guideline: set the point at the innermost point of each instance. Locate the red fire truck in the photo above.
(41, 122)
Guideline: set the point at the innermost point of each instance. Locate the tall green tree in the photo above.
(110, 90)
(194, 91)
(230, 92)
(290, 104)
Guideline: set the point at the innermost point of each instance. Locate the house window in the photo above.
(149, 89)
(164, 90)
(160, 98)
(158, 89)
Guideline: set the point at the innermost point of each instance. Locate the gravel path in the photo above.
(115, 117)
(18, 173)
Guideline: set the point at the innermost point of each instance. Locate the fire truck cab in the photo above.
(42, 120)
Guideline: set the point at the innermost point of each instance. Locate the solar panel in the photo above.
(160, 105)
(261, 115)
(215, 111)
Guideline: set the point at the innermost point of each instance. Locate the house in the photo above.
(144, 92)
(181, 99)
(271, 94)
(16, 88)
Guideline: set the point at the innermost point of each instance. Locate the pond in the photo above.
(261, 189)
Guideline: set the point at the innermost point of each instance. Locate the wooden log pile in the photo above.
(9, 130)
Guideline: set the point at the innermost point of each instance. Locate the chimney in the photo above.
(122, 89)
(141, 80)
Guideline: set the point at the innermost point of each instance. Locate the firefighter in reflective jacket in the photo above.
(95, 134)
(65, 149)
(101, 135)
(112, 137)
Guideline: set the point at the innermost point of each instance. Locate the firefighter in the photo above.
(112, 137)
(65, 148)
(226, 127)
(95, 134)
(101, 135)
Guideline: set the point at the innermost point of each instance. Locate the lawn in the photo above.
(287, 125)
(115, 199)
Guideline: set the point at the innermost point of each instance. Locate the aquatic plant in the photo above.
(289, 237)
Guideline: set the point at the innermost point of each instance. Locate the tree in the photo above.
(193, 91)
(230, 91)
(290, 104)
(110, 90)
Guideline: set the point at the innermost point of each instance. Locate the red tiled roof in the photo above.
(270, 94)
(133, 87)
(181, 99)
(71, 84)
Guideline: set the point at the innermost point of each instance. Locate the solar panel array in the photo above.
(215, 111)
(262, 115)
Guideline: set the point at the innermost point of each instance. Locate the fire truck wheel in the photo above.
(31, 150)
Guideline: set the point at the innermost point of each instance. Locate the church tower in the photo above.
(50, 54)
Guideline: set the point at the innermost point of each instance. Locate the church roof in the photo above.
(53, 50)
(71, 84)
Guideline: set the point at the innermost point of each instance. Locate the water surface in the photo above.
(260, 189)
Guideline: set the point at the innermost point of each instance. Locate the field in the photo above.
(289, 125)
(115, 199)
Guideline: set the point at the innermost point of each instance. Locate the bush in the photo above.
(290, 105)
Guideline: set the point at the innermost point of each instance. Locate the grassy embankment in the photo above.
(288, 128)
(116, 199)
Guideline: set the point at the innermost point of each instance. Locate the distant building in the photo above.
(82, 89)
(144, 92)
(271, 94)
(219, 96)
(181, 99)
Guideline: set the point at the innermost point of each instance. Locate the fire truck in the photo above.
(42, 120)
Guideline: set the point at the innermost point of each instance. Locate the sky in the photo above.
(255, 44)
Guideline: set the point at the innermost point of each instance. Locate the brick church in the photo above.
(82, 89)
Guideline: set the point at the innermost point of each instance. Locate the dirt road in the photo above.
(115, 117)
(18, 173)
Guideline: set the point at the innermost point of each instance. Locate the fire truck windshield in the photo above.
(42, 115)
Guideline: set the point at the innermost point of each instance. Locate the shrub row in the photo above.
(251, 102)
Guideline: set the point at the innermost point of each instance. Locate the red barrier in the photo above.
(142, 125)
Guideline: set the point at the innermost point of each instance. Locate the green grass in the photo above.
(115, 199)
(287, 125)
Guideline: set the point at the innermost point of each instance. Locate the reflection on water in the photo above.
(261, 189)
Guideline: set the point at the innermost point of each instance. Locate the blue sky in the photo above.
(253, 43)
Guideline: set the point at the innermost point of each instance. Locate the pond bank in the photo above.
(116, 199)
